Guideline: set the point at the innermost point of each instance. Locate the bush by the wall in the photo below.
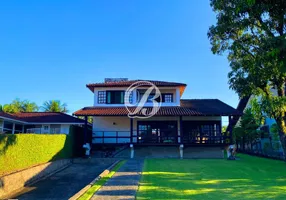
(20, 151)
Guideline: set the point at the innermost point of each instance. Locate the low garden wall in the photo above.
(14, 182)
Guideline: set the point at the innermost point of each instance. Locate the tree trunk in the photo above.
(281, 120)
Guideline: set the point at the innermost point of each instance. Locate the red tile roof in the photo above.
(191, 107)
(130, 82)
(42, 117)
(9, 116)
(122, 111)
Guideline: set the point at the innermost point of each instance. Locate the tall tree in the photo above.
(252, 33)
(20, 106)
(54, 106)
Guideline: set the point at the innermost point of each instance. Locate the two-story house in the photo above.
(178, 121)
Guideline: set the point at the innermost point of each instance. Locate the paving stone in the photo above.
(123, 184)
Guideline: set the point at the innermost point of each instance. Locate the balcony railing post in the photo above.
(103, 137)
(131, 130)
(116, 137)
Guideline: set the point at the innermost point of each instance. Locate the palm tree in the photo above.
(54, 106)
(28, 106)
(20, 106)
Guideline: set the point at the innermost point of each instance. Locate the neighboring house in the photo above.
(178, 121)
(37, 122)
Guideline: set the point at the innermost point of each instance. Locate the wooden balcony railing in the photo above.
(123, 137)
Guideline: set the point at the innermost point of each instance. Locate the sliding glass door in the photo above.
(157, 132)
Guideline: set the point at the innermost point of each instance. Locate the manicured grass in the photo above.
(88, 194)
(247, 178)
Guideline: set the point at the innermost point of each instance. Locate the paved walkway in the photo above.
(63, 184)
(123, 184)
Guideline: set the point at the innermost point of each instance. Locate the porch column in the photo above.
(85, 130)
(23, 128)
(230, 128)
(181, 129)
(131, 130)
(13, 128)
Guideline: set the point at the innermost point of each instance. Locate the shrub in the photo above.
(20, 151)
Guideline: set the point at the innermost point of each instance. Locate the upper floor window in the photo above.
(167, 98)
(101, 97)
(115, 97)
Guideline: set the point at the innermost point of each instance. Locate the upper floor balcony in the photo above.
(115, 97)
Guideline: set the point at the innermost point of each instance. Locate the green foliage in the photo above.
(252, 33)
(275, 137)
(54, 106)
(223, 129)
(273, 106)
(247, 128)
(20, 106)
(266, 147)
(20, 151)
(257, 112)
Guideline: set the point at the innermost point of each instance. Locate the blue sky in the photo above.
(52, 49)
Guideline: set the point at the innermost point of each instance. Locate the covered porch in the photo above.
(159, 130)
(195, 122)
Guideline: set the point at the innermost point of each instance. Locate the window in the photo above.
(167, 98)
(131, 97)
(115, 97)
(101, 97)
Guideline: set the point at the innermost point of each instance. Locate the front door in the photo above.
(157, 132)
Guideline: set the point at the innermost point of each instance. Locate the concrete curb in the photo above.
(103, 174)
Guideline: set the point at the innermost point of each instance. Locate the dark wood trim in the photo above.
(230, 128)
(85, 130)
(181, 129)
(131, 130)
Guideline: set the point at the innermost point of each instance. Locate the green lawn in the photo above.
(247, 178)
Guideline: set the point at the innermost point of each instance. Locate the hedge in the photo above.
(20, 151)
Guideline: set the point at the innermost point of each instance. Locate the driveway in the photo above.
(65, 183)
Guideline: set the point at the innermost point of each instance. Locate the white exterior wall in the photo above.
(174, 90)
(109, 125)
